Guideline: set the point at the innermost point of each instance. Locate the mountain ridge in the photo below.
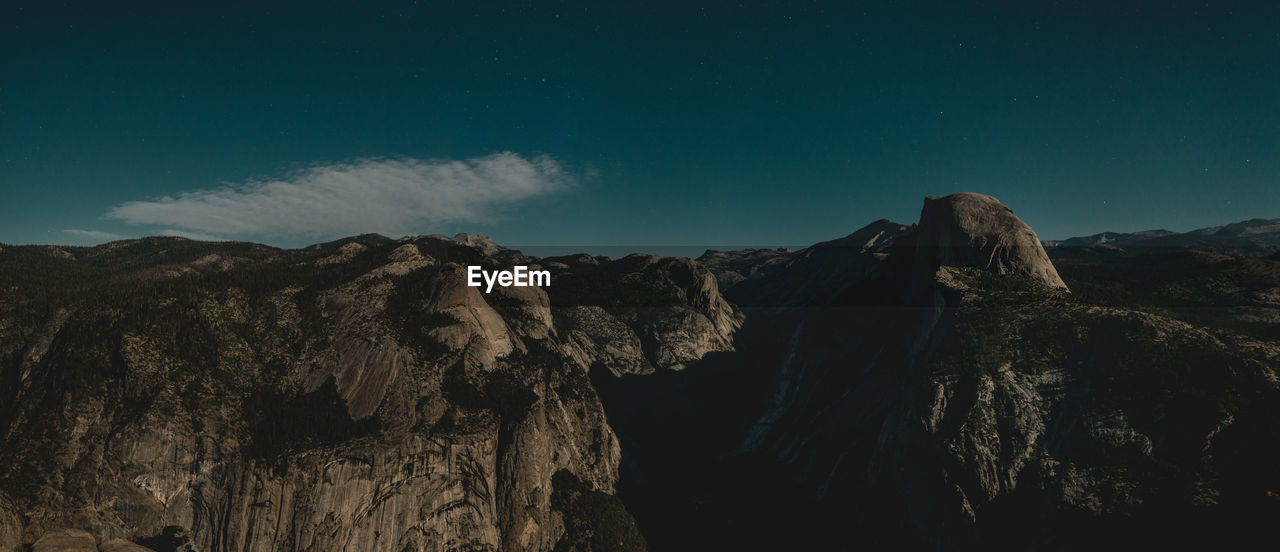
(1256, 237)
(931, 385)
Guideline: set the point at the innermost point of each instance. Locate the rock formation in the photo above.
(732, 267)
(353, 396)
(927, 386)
(641, 312)
(975, 230)
(1007, 414)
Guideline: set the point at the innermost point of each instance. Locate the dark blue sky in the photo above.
(776, 123)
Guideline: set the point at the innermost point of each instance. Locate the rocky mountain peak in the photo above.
(874, 236)
(362, 239)
(483, 243)
(976, 230)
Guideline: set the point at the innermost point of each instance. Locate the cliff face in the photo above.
(1023, 415)
(933, 386)
(356, 396)
(976, 230)
(640, 313)
(952, 394)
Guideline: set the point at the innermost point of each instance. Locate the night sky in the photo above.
(586, 124)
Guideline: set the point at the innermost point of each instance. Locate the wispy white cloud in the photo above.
(95, 236)
(390, 196)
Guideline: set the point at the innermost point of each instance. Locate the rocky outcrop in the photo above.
(929, 386)
(1033, 399)
(449, 294)
(671, 307)
(988, 409)
(10, 524)
(732, 267)
(355, 396)
(481, 243)
(121, 545)
(74, 540)
(975, 230)
(597, 338)
(1234, 293)
(66, 540)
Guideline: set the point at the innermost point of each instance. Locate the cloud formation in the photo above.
(390, 196)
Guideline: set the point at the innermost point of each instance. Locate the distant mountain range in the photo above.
(1250, 238)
